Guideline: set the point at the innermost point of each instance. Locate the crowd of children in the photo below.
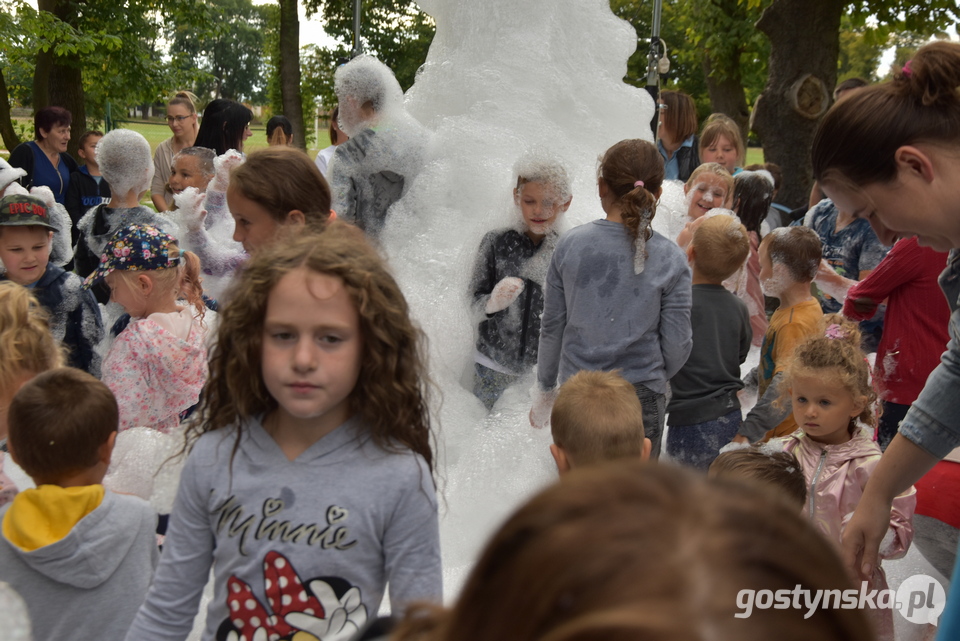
(308, 489)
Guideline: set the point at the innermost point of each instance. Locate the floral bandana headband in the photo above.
(135, 248)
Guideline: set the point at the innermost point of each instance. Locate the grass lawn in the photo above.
(754, 156)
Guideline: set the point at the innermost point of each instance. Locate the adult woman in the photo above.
(45, 158)
(678, 135)
(279, 132)
(337, 137)
(182, 120)
(225, 125)
(888, 153)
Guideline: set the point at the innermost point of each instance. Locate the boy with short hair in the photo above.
(127, 164)
(70, 548)
(597, 417)
(87, 187)
(789, 260)
(26, 236)
(507, 284)
(704, 411)
(780, 471)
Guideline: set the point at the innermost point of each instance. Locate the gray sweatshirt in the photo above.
(89, 584)
(307, 544)
(599, 315)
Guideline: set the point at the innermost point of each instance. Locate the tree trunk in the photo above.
(727, 95)
(803, 66)
(58, 80)
(290, 69)
(9, 134)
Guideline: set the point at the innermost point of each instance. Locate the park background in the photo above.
(116, 62)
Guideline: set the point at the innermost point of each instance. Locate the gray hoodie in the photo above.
(89, 584)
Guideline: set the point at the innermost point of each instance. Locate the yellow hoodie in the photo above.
(45, 515)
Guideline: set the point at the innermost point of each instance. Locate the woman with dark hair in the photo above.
(337, 137)
(225, 125)
(45, 158)
(678, 135)
(279, 132)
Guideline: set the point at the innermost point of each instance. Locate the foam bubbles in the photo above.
(125, 161)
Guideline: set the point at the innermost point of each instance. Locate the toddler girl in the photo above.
(310, 485)
(507, 284)
(617, 293)
(156, 367)
(28, 349)
(829, 386)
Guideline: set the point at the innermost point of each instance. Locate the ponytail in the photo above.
(633, 170)
(858, 138)
(191, 282)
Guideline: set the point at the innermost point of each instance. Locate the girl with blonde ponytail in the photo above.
(617, 293)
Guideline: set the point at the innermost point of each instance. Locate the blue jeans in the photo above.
(654, 412)
(698, 445)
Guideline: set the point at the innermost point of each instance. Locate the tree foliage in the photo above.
(222, 51)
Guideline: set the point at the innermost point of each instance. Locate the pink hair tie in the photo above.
(834, 332)
(639, 183)
(906, 71)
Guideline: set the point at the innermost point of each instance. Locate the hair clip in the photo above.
(834, 331)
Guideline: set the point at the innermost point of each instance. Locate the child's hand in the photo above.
(542, 406)
(190, 207)
(222, 166)
(503, 294)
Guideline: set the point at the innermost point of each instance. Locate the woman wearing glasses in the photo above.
(182, 119)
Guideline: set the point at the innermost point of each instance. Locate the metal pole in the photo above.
(357, 45)
(653, 61)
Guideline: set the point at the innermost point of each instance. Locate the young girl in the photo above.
(617, 293)
(271, 189)
(829, 387)
(310, 487)
(710, 186)
(182, 120)
(508, 275)
(752, 195)
(156, 367)
(28, 349)
(721, 142)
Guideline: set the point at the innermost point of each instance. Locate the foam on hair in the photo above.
(752, 197)
(204, 156)
(799, 249)
(541, 166)
(125, 161)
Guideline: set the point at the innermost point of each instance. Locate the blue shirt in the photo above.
(671, 167)
(44, 173)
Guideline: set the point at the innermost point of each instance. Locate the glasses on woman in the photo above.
(177, 119)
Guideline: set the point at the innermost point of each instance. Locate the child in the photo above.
(126, 164)
(508, 277)
(312, 477)
(279, 132)
(87, 187)
(26, 237)
(28, 348)
(597, 417)
(617, 295)
(721, 142)
(710, 187)
(789, 257)
(828, 382)
(192, 167)
(157, 365)
(752, 195)
(704, 411)
(377, 165)
(780, 471)
(630, 551)
(80, 556)
(272, 189)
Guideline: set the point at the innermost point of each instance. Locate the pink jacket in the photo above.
(836, 476)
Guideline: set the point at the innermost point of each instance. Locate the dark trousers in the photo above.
(698, 445)
(654, 412)
(889, 422)
(489, 384)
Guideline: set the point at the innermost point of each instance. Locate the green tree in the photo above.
(223, 50)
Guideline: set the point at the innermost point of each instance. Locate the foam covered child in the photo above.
(27, 236)
(709, 187)
(127, 164)
(157, 366)
(828, 382)
(508, 275)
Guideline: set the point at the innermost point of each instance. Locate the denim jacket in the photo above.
(933, 422)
